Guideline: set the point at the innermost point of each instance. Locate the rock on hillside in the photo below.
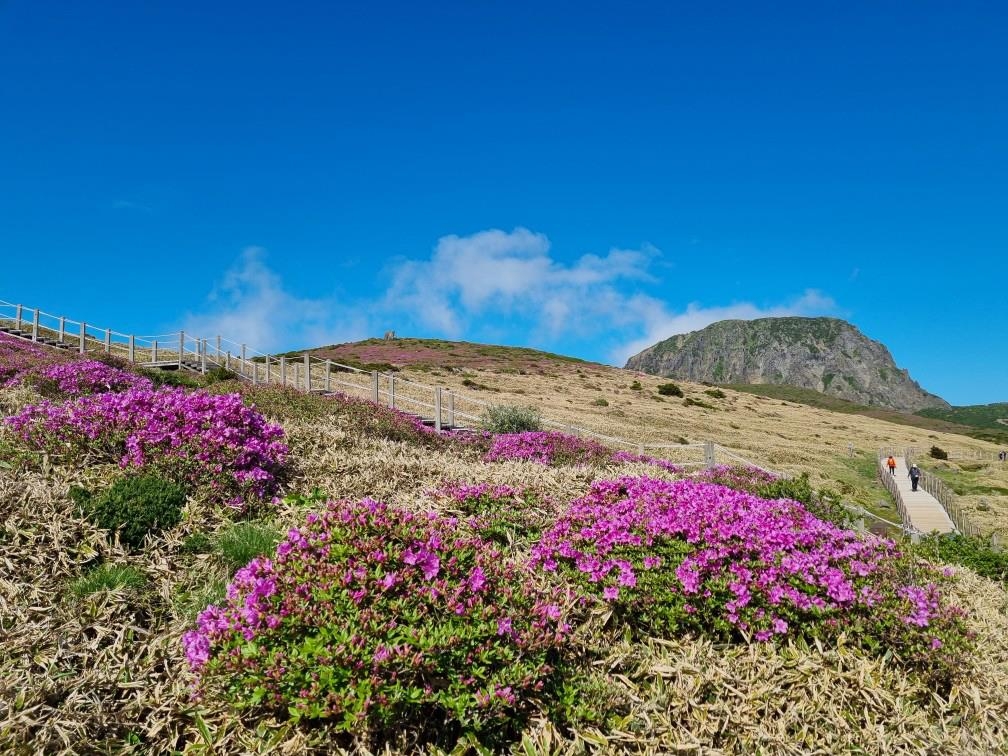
(824, 354)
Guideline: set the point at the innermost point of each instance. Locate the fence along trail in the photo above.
(440, 407)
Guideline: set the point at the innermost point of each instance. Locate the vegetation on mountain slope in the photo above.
(100, 667)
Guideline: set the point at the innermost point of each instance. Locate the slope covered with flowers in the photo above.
(376, 617)
(518, 593)
(690, 556)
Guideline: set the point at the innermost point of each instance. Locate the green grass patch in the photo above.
(974, 553)
(244, 541)
(108, 577)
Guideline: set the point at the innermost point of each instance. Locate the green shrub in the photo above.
(971, 552)
(108, 577)
(938, 453)
(670, 389)
(507, 418)
(636, 386)
(715, 393)
(690, 402)
(600, 402)
(170, 377)
(245, 541)
(134, 507)
(220, 374)
(197, 543)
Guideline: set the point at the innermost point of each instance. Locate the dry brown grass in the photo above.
(106, 673)
(785, 436)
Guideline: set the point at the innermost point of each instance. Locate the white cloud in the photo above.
(511, 274)
(250, 305)
(659, 323)
(491, 285)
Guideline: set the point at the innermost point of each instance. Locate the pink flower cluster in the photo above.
(370, 611)
(19, 358)
(752, 566)
(741, 477)
(92, 377)
(196, 438)
(555, 448)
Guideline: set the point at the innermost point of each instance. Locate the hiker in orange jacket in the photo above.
(892, 464)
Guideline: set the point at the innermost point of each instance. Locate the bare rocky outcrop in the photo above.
(823, 354)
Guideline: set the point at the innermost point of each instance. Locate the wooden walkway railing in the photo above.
(442, 407)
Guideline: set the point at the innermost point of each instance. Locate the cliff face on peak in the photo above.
(823, 354)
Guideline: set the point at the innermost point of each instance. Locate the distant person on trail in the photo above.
(915, 475)
(892, 464)
(1003, 456)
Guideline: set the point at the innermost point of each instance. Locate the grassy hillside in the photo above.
(92, 655)
(989, 416)
(785, 429)
(438, 354)
(978, 422)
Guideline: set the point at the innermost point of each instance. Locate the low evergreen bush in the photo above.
(670, 389)
(507, 418)
(134, 507)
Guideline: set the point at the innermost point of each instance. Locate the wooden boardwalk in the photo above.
(924, 512)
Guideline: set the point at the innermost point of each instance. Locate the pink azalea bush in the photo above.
(376, 618)
(555, 448)
(83, 377)
(739, 477)
(198, 439)
(675, 556)
(19, 358)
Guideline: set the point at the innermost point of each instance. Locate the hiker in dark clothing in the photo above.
(915, 475)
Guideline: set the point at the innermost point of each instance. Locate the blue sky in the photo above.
(581, 177)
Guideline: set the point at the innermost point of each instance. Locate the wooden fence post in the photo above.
(17, 317)
(132, 347)
(62, 329)
(374, 386)
(203, 348)
(328, 376)
(35, 319)
(283, 371)
(391, 390)
(218, 347)
(244, 364)
(437, 408)
(83, 336)
(451, 408)
(154, 351)
(307, 371)
(181, 347)
(108, 341)
(710, 459)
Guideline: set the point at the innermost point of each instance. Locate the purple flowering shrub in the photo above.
(689, 556)
(739, 477)
(555, 448)
(197, 439)
(546, 448)
(382, 620)
(625, 456)
(19, 358)
(83, 377)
